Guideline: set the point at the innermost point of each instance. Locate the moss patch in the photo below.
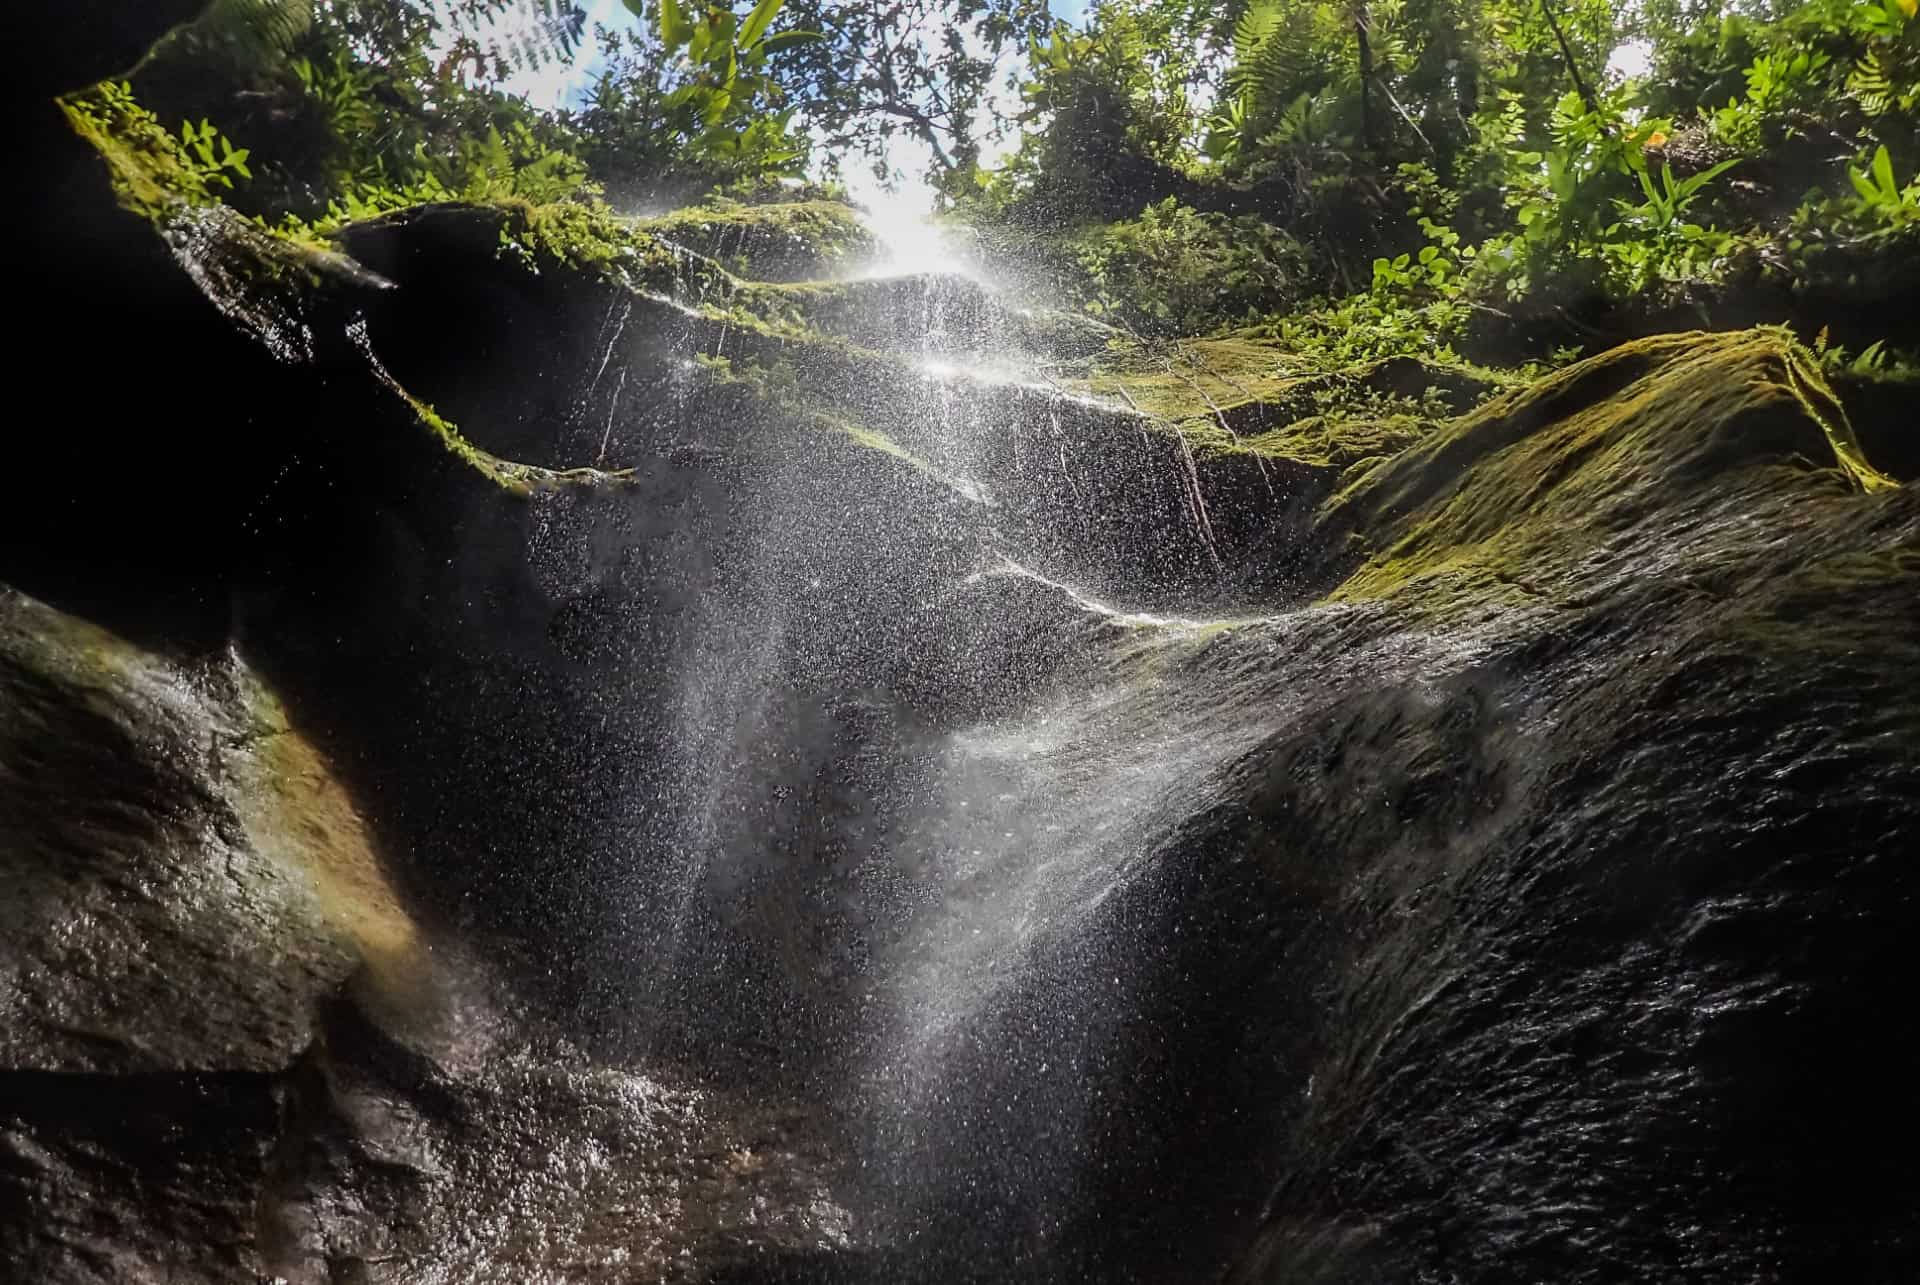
(143, 159)
(777, 388)
(297, 812)
(509, 475)
(787, 242)
(591, 239)
(1513, 496)
(1240, 394)
(188, 882)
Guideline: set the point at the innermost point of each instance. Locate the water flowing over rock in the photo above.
(828, 782)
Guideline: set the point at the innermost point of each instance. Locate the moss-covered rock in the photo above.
(791, 241)
(227, 1052)
(1521, 495)
(940, 315)
(1403, 827)
(1232, 393)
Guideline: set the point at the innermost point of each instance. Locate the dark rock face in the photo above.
(906, 842)
(75, 44)
(172, 852)
(226, 1053)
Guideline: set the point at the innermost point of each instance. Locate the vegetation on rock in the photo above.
(1490, 180)
(1532, 486)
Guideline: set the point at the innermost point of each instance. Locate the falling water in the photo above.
(926, 903)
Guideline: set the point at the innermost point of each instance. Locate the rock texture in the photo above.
(227, 1053)
(923, 825)
(185, 883)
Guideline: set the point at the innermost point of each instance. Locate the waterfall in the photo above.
(930, 908)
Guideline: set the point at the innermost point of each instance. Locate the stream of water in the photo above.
(949, 891)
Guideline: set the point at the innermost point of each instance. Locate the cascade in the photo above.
(675, 752)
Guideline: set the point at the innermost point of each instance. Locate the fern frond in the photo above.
(1871, 86)
(1255, 25)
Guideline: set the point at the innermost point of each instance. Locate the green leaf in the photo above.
(1883, 173)
(758, 21)
(676, 25)
(788, 39)
(1868, 192)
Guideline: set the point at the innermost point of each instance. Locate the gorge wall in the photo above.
(527, 756)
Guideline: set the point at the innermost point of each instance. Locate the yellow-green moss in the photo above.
(787, 241)
(510, 476)
(811, 307)
(591, 239)
(778, 387)
(1240, 394)
(143, 161)
(296, 812)
(1505, 500)
(1173, 382)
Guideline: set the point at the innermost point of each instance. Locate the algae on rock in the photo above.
(1526, 493)
(788, 241)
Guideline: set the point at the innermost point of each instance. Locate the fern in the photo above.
(1297, 125)
(1871, 86)
(1276, 51)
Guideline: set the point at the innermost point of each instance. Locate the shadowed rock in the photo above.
(929, 826)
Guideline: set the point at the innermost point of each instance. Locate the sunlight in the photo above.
(1630, 61)
(556, 84)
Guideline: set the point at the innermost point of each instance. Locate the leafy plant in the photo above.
(212, 155)
(1880, 193)
(1175, 270)
(156, 167)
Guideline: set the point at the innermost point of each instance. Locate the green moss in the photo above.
(1242, 394)
(1182, 382)
(843, 308)
(591, 239)
(296, 812)
(510, 476)
(786, 242)
(144, 162)
(881, 312)
(1507, 500)
(1329, 441)
(1880, 406)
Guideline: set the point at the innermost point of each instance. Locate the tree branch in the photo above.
(1566, 51)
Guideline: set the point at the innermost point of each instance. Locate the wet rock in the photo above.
(185, 886)
(785, 241)
(184, 880)
(926, 826)
(225, 1054)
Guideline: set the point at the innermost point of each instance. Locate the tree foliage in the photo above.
(886, 67)
(1418, 166)
(1454, 160)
